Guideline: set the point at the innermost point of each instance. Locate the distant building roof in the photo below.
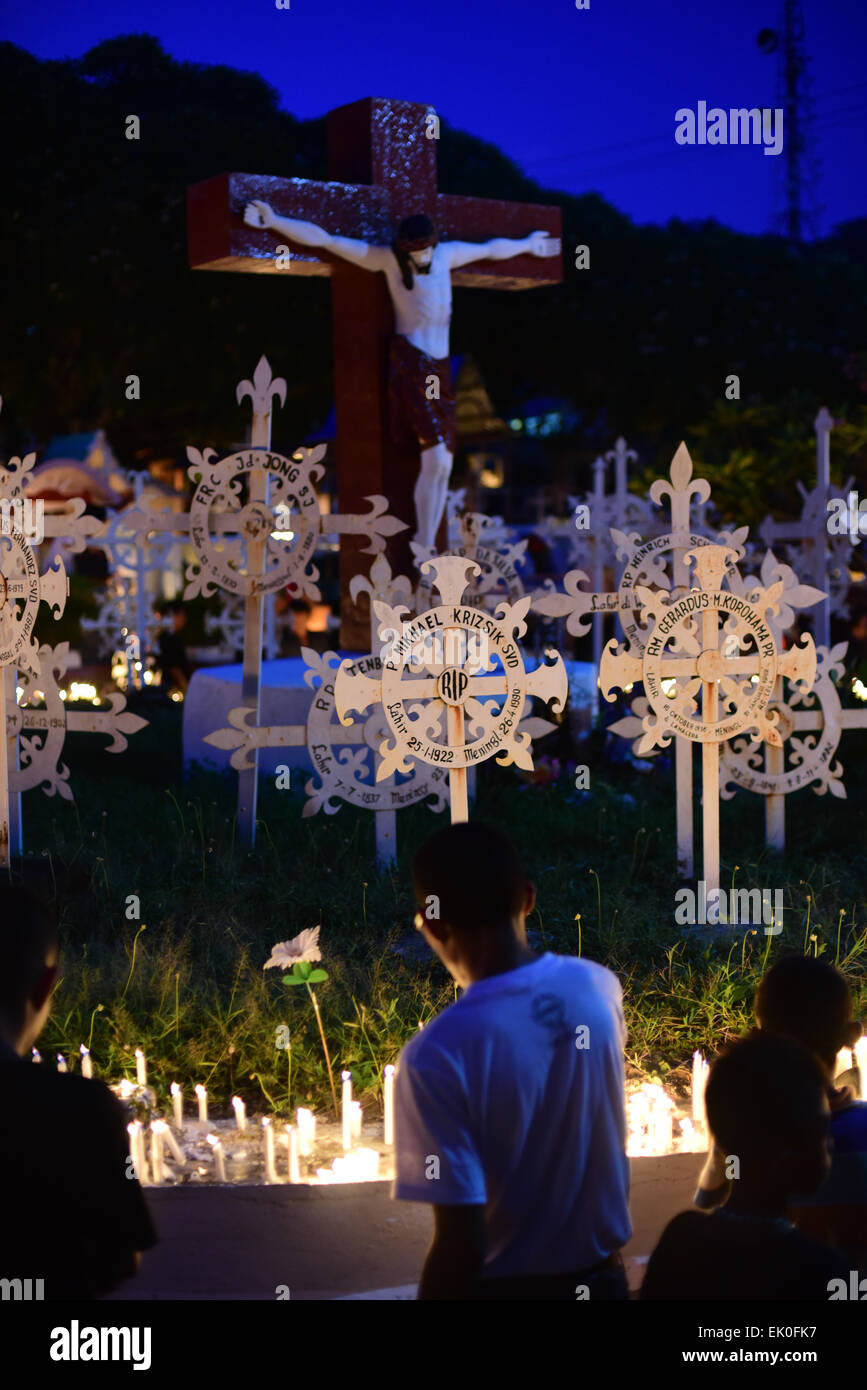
(73, 446)
(80, 465)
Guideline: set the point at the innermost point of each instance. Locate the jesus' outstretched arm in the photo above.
(360, 253)
(501, 248)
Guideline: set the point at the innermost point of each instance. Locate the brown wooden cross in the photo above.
(387, 169)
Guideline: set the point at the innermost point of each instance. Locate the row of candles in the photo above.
(298, 1139)
(651, 1116)
(357, 1164)
(847, 1058)
(350, 1109)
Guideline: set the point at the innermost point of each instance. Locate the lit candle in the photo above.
(346, 1099)
(388, 1098)
(860, 1051)
(136, 1148)
(661, 1129)
(61, 1062)
(270, 1169)
(294, 1166)
(369, 1164)
(844, 1061)
(177, 1104)
(156, 1154)
(700, 1071)
(168, 1138)
(362, 1165)
(86, 1061)
(240, 1112)
(141, 1068)
(217, 1147)
(202, 1097)
(306, 1122)
(355, 1119)
(37, 1056)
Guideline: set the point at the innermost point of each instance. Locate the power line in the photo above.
(642, 162)
(653, 139)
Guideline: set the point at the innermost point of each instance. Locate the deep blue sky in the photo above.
(582, 100)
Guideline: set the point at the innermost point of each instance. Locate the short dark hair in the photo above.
(760, 1092)
(28, 936)
(475, 872)
(416, 228)
(806, 999)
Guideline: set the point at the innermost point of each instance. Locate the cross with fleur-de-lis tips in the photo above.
(237, 522)
(461, 680)
(735, 678)
(822, 557)
(658, 561)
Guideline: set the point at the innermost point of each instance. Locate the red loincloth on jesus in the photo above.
(413, 415)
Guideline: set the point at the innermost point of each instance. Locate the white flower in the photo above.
(305, 946)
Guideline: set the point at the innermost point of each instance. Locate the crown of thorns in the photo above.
(419, 243)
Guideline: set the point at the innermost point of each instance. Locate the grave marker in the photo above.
(822, 558)
(455, 683)
(236, 548)
(711, 668)
(810, 723)
(643, 566)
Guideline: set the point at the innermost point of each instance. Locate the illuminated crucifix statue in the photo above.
(418, 272)
(382, 167)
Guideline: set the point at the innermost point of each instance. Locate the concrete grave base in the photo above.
(285, 699)
(338, 1241)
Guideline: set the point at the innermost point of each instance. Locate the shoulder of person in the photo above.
(685, 1224)
(430, 1043)
(849, 1126)
(591, 971)
(91, 1097)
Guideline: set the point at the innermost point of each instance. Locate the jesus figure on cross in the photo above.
(420, 387)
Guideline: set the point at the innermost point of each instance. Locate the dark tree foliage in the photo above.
(93, 249)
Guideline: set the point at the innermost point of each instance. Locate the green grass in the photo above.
(185, 982)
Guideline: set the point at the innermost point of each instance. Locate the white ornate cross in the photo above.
(810, 723)
(823, 558)
(71, 524)
(22, 588)
(479, 538)
(238, 513)
(736, 676)
(811, 726)
(42, 728)
(340, 755)
(125, 608)
(458, 646)
(643, 565)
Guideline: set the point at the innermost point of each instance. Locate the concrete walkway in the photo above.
(341, 1241)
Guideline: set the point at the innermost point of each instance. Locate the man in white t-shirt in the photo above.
(509, 1105)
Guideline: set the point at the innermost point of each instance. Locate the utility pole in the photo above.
(799, 213)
